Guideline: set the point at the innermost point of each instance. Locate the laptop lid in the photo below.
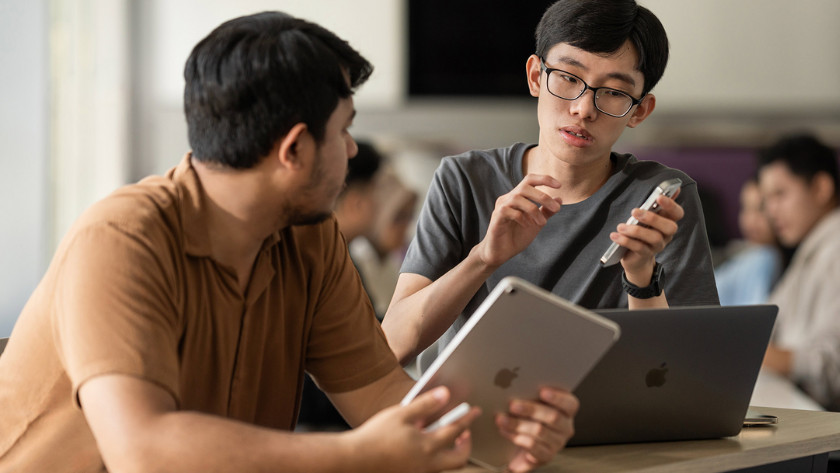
(508, 349)
(675, 374)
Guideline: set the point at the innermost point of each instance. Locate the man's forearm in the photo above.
(138, 429)
(359, 405)
(188, 441)
(416, 319)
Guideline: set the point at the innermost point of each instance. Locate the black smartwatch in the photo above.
(653, 289)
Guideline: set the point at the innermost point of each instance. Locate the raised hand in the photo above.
(517, 218)
(649, 238)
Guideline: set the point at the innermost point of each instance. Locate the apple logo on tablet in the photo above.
(656, 376)
(504, 377)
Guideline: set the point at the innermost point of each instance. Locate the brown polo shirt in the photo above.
(132, 289)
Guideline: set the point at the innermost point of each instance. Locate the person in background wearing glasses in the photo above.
(547, 211)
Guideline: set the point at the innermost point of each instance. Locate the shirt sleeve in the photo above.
(438, 245)
(346, 348)
(114, 309)
(816, 362)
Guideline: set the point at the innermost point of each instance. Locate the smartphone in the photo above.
(667, 188)
(756, 418)
(454, 414)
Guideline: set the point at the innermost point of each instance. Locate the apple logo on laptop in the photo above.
(656, 376)
(504, 377)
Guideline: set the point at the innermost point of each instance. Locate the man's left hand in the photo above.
(646, 240)
(540, 428)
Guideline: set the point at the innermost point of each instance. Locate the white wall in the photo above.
(89, 105)
(751, 55)
(740, 71)
(374, 27)
(762, 55)
(64, 86)
(24, 144)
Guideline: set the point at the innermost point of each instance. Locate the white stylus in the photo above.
(454, 414)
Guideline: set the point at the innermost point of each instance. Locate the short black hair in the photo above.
(602, 27)
(363, 168)
(254, 77)
(804, 155)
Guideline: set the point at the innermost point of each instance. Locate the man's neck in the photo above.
(577, 182)
(239, 216)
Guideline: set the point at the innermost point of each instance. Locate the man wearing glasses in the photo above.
(548, 211)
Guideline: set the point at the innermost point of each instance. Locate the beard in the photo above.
(309, 218)
(302, 216)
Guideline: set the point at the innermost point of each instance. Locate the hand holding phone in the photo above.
(667, 188)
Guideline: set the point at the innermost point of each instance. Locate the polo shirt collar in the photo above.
(194, 210)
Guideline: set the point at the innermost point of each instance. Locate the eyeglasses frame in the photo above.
(549, 70)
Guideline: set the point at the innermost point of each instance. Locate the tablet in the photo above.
(520, 338)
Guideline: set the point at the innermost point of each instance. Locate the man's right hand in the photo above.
(422, 310)
(395, 440)
(517, 218)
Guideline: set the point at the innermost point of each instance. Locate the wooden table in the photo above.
(799, 442)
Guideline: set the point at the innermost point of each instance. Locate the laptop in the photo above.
(675, 374)
(520, 338)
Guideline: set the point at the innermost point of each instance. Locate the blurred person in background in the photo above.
(356, 207)
(798, 179)
(754, 267)
(380, 253)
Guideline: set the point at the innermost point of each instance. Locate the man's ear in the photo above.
(532, 74)
(642, 111)
(822, 185)
(295, 146)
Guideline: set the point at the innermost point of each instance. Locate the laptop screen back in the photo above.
(675, 374)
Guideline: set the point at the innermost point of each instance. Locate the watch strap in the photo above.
(654, 289)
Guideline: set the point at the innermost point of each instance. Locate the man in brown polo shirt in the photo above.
(174, 325)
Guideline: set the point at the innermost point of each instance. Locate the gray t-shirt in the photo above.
(564, 257)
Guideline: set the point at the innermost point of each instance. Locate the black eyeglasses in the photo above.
(567, 86)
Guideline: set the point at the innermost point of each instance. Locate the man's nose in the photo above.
(585, 105)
